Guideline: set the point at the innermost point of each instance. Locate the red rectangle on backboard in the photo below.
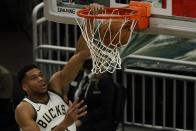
(164, 4)
(185, 8)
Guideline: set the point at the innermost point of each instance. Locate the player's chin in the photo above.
(43, 89)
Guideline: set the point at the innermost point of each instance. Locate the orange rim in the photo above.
(109, 13)
(139, 11)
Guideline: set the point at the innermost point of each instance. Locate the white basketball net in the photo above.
(104, 57)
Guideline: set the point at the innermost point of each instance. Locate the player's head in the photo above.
(22, 72)
(31, 79)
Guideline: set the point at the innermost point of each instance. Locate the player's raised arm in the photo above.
(63, 78)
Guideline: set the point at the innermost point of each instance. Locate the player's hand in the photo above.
(96, 8)
(75, 111)
(78, 123)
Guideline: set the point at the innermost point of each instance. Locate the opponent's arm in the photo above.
(24, 114)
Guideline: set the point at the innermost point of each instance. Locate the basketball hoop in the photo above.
(109, 30)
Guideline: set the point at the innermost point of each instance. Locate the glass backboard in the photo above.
(171, 17)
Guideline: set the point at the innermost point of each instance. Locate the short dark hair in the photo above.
(21, 73)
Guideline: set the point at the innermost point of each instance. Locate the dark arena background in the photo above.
(157, 77)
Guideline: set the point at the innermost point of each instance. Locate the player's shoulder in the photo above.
(24, 107)
(24, 113)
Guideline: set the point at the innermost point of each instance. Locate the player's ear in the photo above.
(24, 87)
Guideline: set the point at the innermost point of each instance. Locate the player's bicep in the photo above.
(56, 83)
(62, 78)
(24, 118)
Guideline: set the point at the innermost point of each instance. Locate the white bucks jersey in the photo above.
(51, 114)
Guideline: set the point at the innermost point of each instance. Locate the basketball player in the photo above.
(46, 106)
(100, 94)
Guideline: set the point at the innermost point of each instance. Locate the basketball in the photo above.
(113, 36)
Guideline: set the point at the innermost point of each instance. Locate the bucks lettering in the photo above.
(51, 114)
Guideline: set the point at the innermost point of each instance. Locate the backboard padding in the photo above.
(184, 8)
